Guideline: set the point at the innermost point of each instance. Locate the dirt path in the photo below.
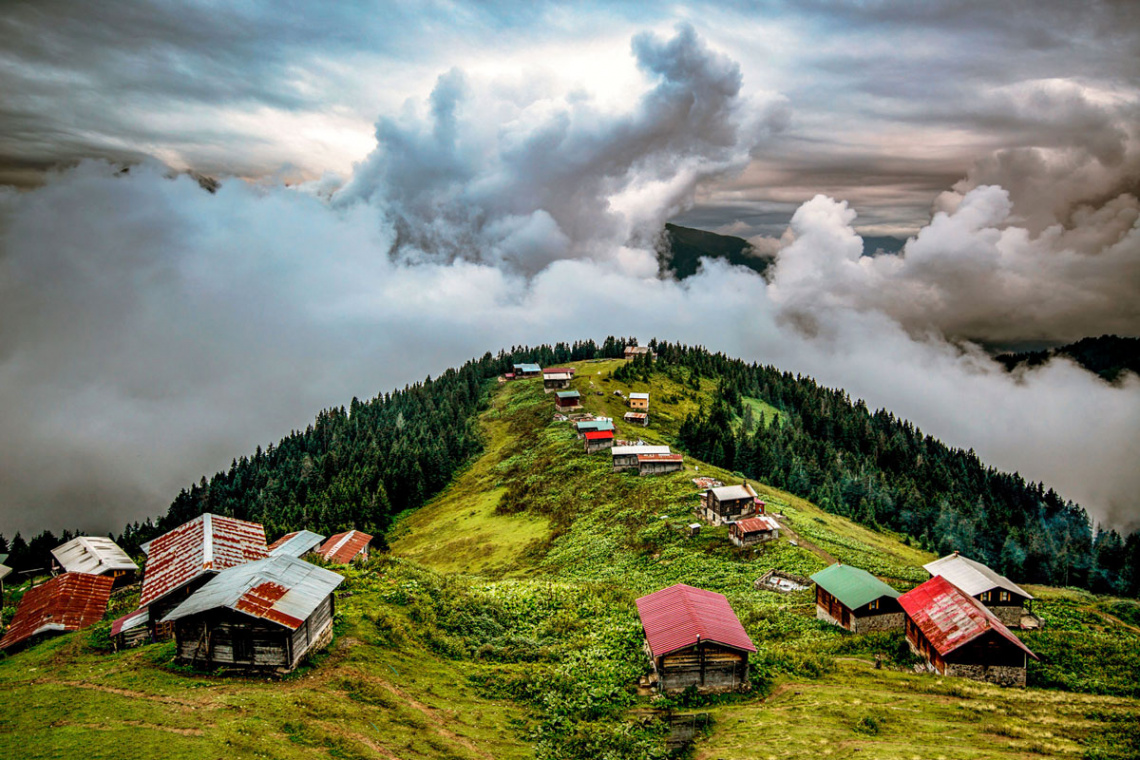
(184, 704)
(132, 723)
(805, 543)
(1111, 618)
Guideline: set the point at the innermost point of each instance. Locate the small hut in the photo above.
(599, 440)
(131, 630)
(854, 599)
(637, 418)
(625, 457)
(263, 615)
(556, 378)
(639, 401)
(95, 555)
(693, 638)
(567, 401)
(67, 602)
(958, 636)
(632, 352)
(1001, 596)
(343, 548)
(754, 530)
(296, 544)
(659, 464)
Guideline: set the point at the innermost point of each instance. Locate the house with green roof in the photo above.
(567, 401)
(856, 600)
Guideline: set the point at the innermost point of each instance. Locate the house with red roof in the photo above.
(599, 440)
(754, 530)
(67, 602)
(346, 547)
(693, 638)
(958, 636)
(180, 562)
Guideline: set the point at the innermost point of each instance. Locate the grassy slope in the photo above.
(503, 626)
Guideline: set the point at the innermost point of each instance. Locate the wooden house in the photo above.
(296, 544)
(67, 602)
(639, 401)
(599, 440)
(131, 630)
(958, 636)
(343, 548)
(632, 352)
(567, 401)
(754, 530)
(659, 464)
(527, 370)
(854, 599)
(693, 638)
(589, 426)
(1001, 596)
(625, 457)
(263, 615)
(637, 418)
(725, 504)
(180, 562)
(556, 378)
(95, 555)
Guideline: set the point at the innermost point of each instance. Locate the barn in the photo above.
(625, 457)
(599, 440)
(180, 562)
(296, 544)
(67, 602)
(95, 555)
(693, 638)
(754, 530)
(958, 636)
(852, 598)
(263, 615)
(567, 401)
(1001, 596)
(346, 547)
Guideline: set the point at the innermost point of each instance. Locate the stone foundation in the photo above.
(1009, 615)
(887, 622)
(1002, 675)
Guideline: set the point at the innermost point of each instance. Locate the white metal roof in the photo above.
(733, 492)
(283, 590)
(644, 396)
(94, 555)
(630, 450)
(970, 576)
(556, 376)
(297, 544)
(4, 570)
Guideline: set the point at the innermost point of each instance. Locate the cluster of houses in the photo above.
(213, 584)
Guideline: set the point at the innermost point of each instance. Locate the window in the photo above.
(987, 596)
(1003, 596)
(873, 605)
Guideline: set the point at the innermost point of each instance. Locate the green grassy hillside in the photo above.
(502, 624)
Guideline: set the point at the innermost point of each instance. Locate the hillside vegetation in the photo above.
(501, 624)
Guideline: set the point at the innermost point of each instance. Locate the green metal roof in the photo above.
(852, 586)
(567, 394)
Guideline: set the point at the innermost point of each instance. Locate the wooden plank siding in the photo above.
(707, 666)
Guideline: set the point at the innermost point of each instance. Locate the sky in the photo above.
(405, 186)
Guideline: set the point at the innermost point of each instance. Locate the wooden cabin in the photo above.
(567, 401)
(726, 504)
(347, 547)
(131, 630)
(959, 637)
(95, 555)
(632, 352)
(556, 378)
(1001, 596)
(589, 426)
(625, 457)
(599, 440)
(659, 464)
(637, 418)
(854, 599)
(693, 638)
(639, 401)
(67, 602)
(527, 370)
(754, 530)
(263, 615)
(180, 562)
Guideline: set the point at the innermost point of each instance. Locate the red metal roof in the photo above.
(757, 524)
(553, 370)
(679, 616)
(660, 457)
(599, 435)
(951, 618)
(343, 547)
(207, 544)
(67, 602)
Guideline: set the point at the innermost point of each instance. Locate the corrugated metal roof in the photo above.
(343, 547)
(283, 590)
(760, 523)
(527, 368)
(558, 370)
(567, 394)
(639, 396)
(130, 620)
(67, 602)
(92, 554)
(599, 435)
(4, 570)
(635, 415)
(595, 425)
(296, 544)
(627, 450)
(677, 617)
(547, 375)
(950, 618)
(207, 544)
(852, 585)
(730, 493)
(661, 457)
(970, 576)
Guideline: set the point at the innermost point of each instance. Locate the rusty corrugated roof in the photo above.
(207, 544)
(679, 616)
(950, 618)
(660, 457)
(67, 602)
(757, 524)
(130, 620)
(343, 547)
